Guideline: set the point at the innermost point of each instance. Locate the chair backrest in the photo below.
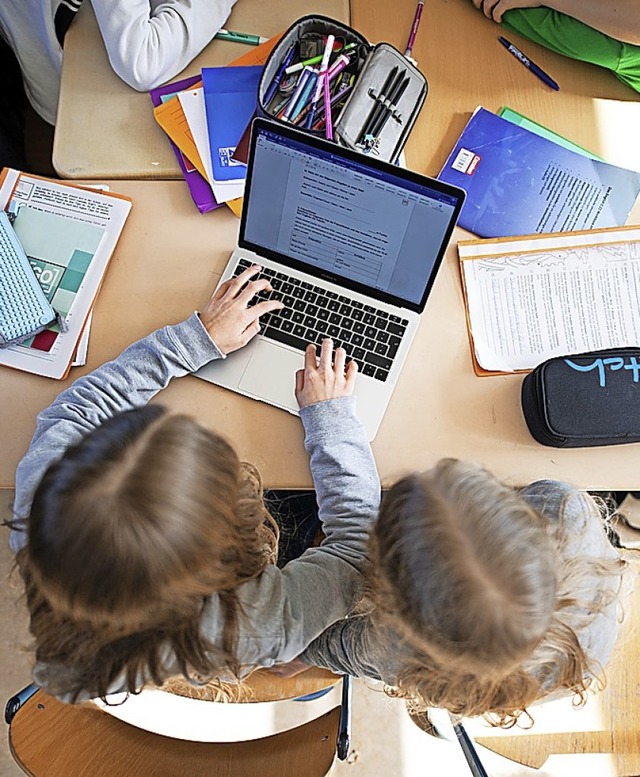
(51, 739)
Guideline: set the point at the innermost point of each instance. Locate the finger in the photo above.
(221, 290)
(237, 284)
(350, 374)
(246, 294)
(250, 332)
(497, 12)
(299, 382)
(488, 7)
(326, 353)
(262, 308)
(311, 358)
(339, 359)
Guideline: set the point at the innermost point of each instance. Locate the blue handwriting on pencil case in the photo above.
(613, 363)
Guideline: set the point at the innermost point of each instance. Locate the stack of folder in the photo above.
(205, 117)
(522, 179)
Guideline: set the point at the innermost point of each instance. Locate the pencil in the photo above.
(394, 99)
(375, 111)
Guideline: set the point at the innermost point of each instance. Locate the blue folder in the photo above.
(230, 96)
(519, 183)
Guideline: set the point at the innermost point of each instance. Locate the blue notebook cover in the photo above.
(230, 96)
(519, 183)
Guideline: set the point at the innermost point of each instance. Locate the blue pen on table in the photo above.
(537, 71)
(273, 86)
(240, 37)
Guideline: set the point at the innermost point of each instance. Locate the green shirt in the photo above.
(566, 35)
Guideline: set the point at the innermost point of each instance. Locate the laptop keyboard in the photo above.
(370, 336)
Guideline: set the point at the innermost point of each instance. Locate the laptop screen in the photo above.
(344, 216)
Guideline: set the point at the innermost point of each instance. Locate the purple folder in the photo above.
(198, 186)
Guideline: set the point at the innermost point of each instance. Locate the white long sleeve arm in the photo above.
(150, 41)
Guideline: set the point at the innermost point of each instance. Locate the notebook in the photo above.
(352, 246)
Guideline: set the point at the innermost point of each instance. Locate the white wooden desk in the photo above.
(106, 129)
(167, 263)
(170, 257)
(458, 51)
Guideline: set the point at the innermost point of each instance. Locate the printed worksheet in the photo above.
(534, 298)
(69, 233)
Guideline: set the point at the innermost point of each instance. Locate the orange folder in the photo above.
(171, 118)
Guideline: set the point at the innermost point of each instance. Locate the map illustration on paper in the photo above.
(60, 251)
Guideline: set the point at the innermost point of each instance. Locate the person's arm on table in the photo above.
(620, 19)
(150, 41)
(287, 608)
(136, 376)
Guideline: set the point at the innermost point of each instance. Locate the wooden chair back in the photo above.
(48, 738)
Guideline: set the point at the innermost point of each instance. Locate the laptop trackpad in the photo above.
(271, 375)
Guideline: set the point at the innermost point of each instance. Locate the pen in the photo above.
(240, 37)
(305, 95)
(337, 98)
(414, 28)
(302, 81)
(333, 72)
(377, 108)
(537, 71)
(394, 99)
(273, 86)
(338, 66)
(321, 80)
(314, 60)
(328, 124)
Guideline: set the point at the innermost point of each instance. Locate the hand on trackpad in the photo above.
(271, 376)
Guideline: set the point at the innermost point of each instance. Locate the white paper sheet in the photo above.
(192, 102)
(566, 294)
(86, 207)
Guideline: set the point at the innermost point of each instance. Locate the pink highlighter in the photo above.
(328, 126)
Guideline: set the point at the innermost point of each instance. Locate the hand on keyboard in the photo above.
(325, 378)
(371, 336)
(229, 318)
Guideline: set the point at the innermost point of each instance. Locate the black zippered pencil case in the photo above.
(383, 90)
(584, 400)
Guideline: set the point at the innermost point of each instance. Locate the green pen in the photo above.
(240, 37)
(315, 60)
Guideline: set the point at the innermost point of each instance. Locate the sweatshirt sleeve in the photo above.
(127, 382)
(353, 647)
(285, 609)
(148, 42)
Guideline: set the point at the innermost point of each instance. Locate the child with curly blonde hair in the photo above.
(481, 599)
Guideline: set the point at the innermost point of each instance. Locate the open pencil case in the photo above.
(383, 90)
(584, 400)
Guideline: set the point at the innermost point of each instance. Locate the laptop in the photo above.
(352, 246)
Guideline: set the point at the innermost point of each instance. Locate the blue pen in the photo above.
(273, 86)
(305, 95)
(302, 82)
(537, 71)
